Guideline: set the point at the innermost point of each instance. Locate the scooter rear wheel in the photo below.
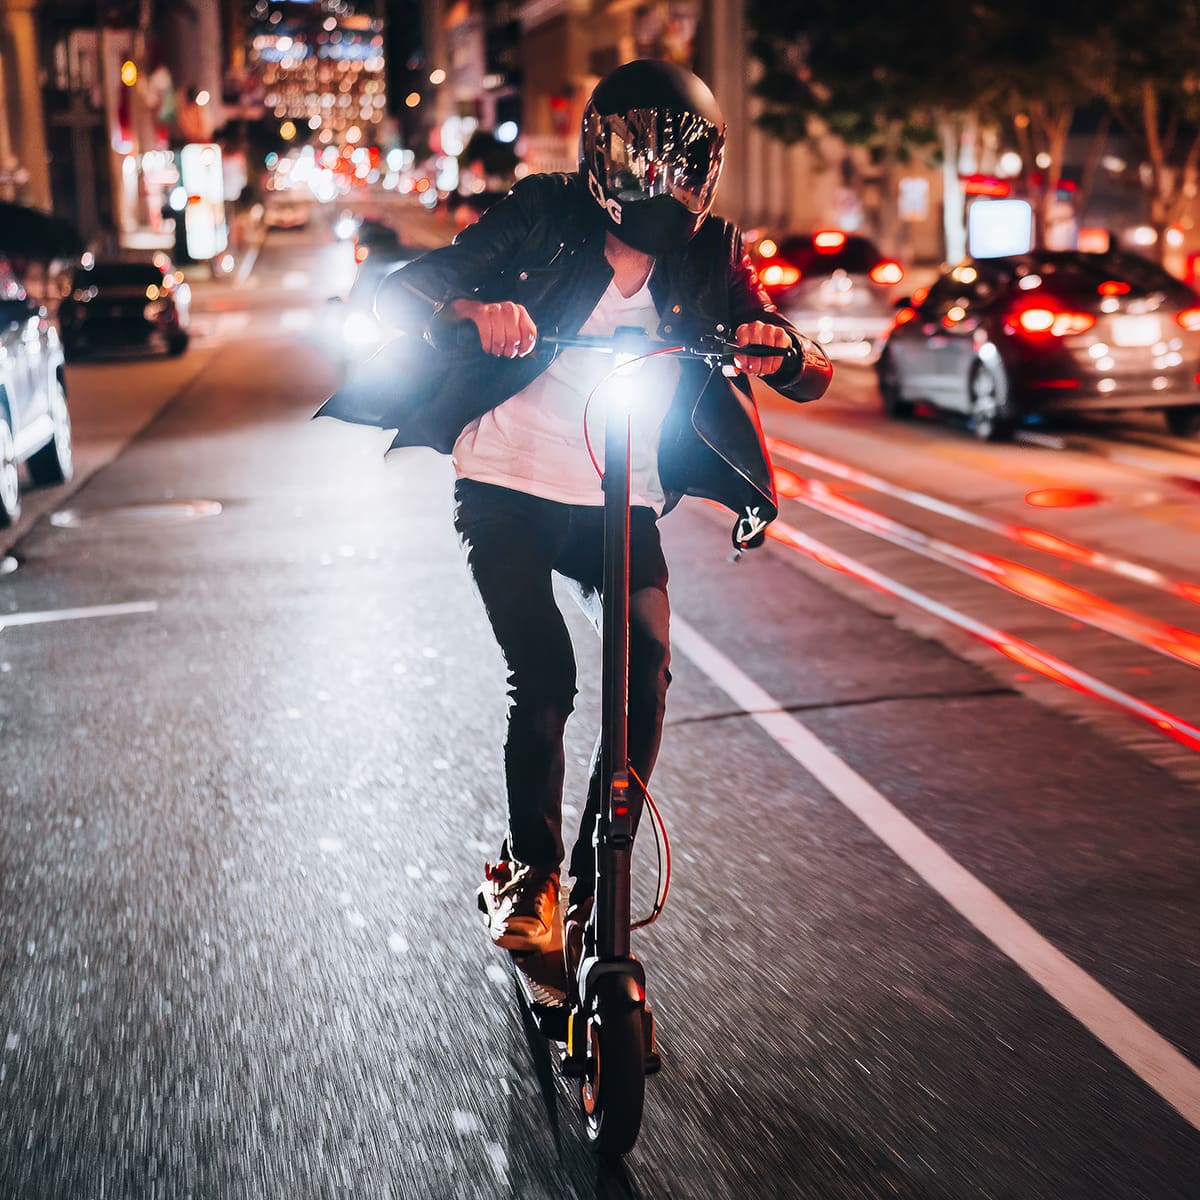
(614, 1090)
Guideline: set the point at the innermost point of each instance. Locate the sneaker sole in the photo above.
(520, 943)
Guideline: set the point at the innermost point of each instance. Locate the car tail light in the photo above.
(829, 241)
(887, 272)
(1113, 287)
(1189, 319)
(903, 316)
(1055, 322)
(778, 274)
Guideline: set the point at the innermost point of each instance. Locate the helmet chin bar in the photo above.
(655, 226)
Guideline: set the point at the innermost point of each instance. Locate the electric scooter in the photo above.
(591, 998)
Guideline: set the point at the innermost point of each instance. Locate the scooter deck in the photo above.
(542, 978)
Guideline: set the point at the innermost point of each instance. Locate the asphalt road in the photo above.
(241, 831)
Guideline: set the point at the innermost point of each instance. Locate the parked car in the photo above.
(1005, 340)
(834, 286)
(35, 425)
(287, 213)
(118, 303)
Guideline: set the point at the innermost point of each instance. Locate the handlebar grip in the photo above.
(464, 335)
(758, 350)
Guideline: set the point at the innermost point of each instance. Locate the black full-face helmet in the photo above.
(651, 148)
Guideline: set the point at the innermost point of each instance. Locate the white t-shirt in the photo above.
(534, 441)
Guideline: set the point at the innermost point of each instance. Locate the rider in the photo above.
(625, 241)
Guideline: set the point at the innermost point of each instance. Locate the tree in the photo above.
(1148, 72)
(1043, 61)
(897, 87)
(963, 77)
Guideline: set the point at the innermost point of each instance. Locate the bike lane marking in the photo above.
(1024, 535)
(1024, 653)
(77, 614)
(1147, 1053)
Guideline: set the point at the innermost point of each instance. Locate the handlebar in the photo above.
(633, 343)
(713, 351)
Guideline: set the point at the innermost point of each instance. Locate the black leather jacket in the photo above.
(543, 246)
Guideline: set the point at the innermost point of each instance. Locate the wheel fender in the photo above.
(627, 974)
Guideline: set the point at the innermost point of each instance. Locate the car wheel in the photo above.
(177, 344)
(1183, 421)
(53, 463)
(10, 483)
(990, 419)
(894, 404)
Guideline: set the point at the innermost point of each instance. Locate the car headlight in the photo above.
(361, 329)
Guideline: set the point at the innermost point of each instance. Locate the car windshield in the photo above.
(121, 275)
(856, 255)
(1080, 276)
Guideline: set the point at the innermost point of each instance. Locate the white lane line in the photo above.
(247, 264)
(1149, 1055)
(77, 614)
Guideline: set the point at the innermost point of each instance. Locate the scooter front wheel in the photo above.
(614, 1090)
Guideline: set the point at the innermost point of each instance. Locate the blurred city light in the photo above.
(287, 130)
(129, 73)
(412, 99)
(1009, 163)
(438, 76)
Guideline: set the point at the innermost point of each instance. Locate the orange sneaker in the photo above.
(521, 906)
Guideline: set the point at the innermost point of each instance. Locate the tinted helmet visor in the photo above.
(649, 152)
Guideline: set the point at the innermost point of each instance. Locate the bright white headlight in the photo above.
(360, 329)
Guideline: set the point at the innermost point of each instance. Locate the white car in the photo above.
(35, 427)
(287, 214)
(833, 286)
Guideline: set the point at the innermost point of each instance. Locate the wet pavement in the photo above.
(242, 826)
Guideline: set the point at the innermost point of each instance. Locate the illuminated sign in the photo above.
(203, 180)
(999, 228)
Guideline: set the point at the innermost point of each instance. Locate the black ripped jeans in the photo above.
(514, 542)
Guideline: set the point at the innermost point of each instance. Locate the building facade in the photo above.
(318, 70)
(24, 165)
